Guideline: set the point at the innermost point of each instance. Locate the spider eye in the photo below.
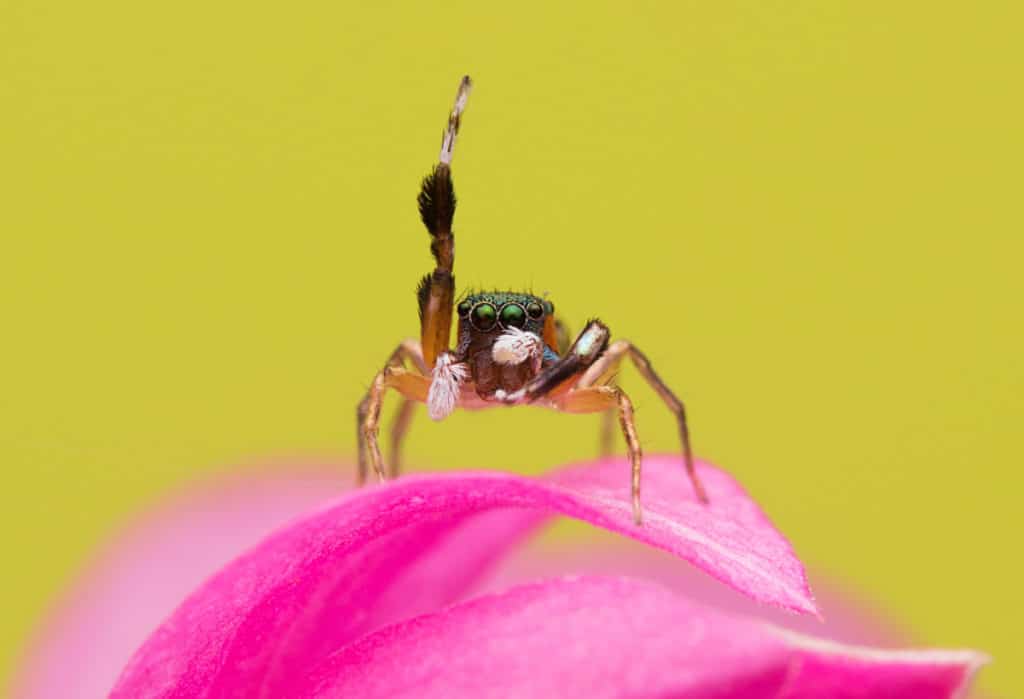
(551, 308)
(535, 310)
(513, 316)
(464, 308)
(483, 316)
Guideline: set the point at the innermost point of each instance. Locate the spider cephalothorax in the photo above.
(505, 338)
(510, 349)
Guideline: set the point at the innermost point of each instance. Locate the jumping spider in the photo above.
(511, 350)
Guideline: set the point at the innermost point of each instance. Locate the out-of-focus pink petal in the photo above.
(154, 562)
(615, 637)
(829, 669)
(384, 554)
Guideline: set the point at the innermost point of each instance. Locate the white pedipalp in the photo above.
(445, 382)
(516, 346)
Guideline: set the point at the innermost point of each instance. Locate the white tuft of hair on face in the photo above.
(445, 380)
(516, 346)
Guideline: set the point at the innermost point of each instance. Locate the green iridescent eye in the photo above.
(483, 316)
(464, 308)
(535, 310)
(513, 316)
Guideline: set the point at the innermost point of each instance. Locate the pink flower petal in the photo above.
(731, 540)
(153, 563)
(616, 637)
(381, 555)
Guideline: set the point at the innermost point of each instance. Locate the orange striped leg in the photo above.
(368, 409)
(410, 384)
(603, 399)
(607, 365)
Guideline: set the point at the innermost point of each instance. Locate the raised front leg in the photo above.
(436, 292)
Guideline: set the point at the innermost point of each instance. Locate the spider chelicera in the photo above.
(510, 350)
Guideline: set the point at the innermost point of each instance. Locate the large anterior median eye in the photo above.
(513, 315)
(483, 316)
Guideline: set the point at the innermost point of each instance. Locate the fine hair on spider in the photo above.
(510, 349)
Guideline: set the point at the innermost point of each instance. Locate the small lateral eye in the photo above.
(513, 315)
(464, 309)
(551, 308)
(483, 316)
(535, 310)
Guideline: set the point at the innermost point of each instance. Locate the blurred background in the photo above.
(807, 214)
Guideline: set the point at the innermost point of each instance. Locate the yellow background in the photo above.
(807, 213)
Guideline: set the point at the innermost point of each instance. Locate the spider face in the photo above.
(504, 337)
